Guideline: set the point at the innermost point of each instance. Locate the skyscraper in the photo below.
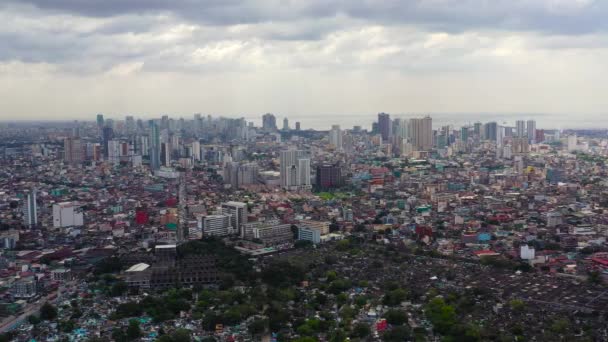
(154, 143)
(106, 135)
(297, 125)
(73, 151)
(295, 170)
(328, 176)
(520, 128)
(421, 132)
(335, 137)
(100, 121)
(269, 122)
(490, 131)
(531, 129)
(285, 124)
(384, 126)
(30, 210)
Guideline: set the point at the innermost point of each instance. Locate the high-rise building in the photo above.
(402, 128)
(464, 133)
(298, 125)
(295, 170)
(335, 137)
(490, 131)
(114, 151)
(285, 124)
(100, 122)
(520, 146)
(531, 129)
(421, 132)
(384, 126)
(107, 134)
(520, 128)
(477, 129)
(238, 214)
(130, 124)
(269, 122)
(67, 214)
(154, 143)
(73, 150)
(30, 210)
(329, 176)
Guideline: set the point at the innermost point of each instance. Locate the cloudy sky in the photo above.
(70, 59)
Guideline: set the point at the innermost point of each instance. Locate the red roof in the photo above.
(600, 261)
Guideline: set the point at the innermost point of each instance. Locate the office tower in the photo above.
(165, 154)
(402, 129)
(30, 210)
(490, 131)
(520, 128)
(304, 173)
(164, 122)
(130, 124)
(500, 135)
(531, 129)
(285, 124)
(335, 137)
(238, 214)
(442, 141)
(154, 143)
(328, 176)
(477, 129)
(464, 134)
(100, 122)
(298, 125)
(384, 126)
(114, 151)
(106, 135)
(67, 214)
(295, 170)
(76, 129)
(72, 148)
(269, 122)
(421, 132)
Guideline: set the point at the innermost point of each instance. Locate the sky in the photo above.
(328, 61)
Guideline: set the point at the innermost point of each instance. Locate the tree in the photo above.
(361, 330)
(118, 289)
(395, 297)
(133, 330)
(441, 315)
(33, 319)
(48, 312)
(395, 317)
(258, 326)
(179, 335)
(118, 335)
(397, 334)
(517, 305)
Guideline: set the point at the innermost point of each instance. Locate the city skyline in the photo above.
(75, 58)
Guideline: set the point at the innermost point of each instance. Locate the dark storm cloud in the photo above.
(558, 16)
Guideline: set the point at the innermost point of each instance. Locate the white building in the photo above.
(295, 170)
(30, 210)
(335, 137)
(238, 214)
(526, 252)
(572, 143)
(216, 225)
(67, 214)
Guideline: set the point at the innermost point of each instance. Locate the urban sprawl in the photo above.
(213, 229)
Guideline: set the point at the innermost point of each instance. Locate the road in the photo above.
(12, 322)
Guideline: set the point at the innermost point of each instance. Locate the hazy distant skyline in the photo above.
(70, 59)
